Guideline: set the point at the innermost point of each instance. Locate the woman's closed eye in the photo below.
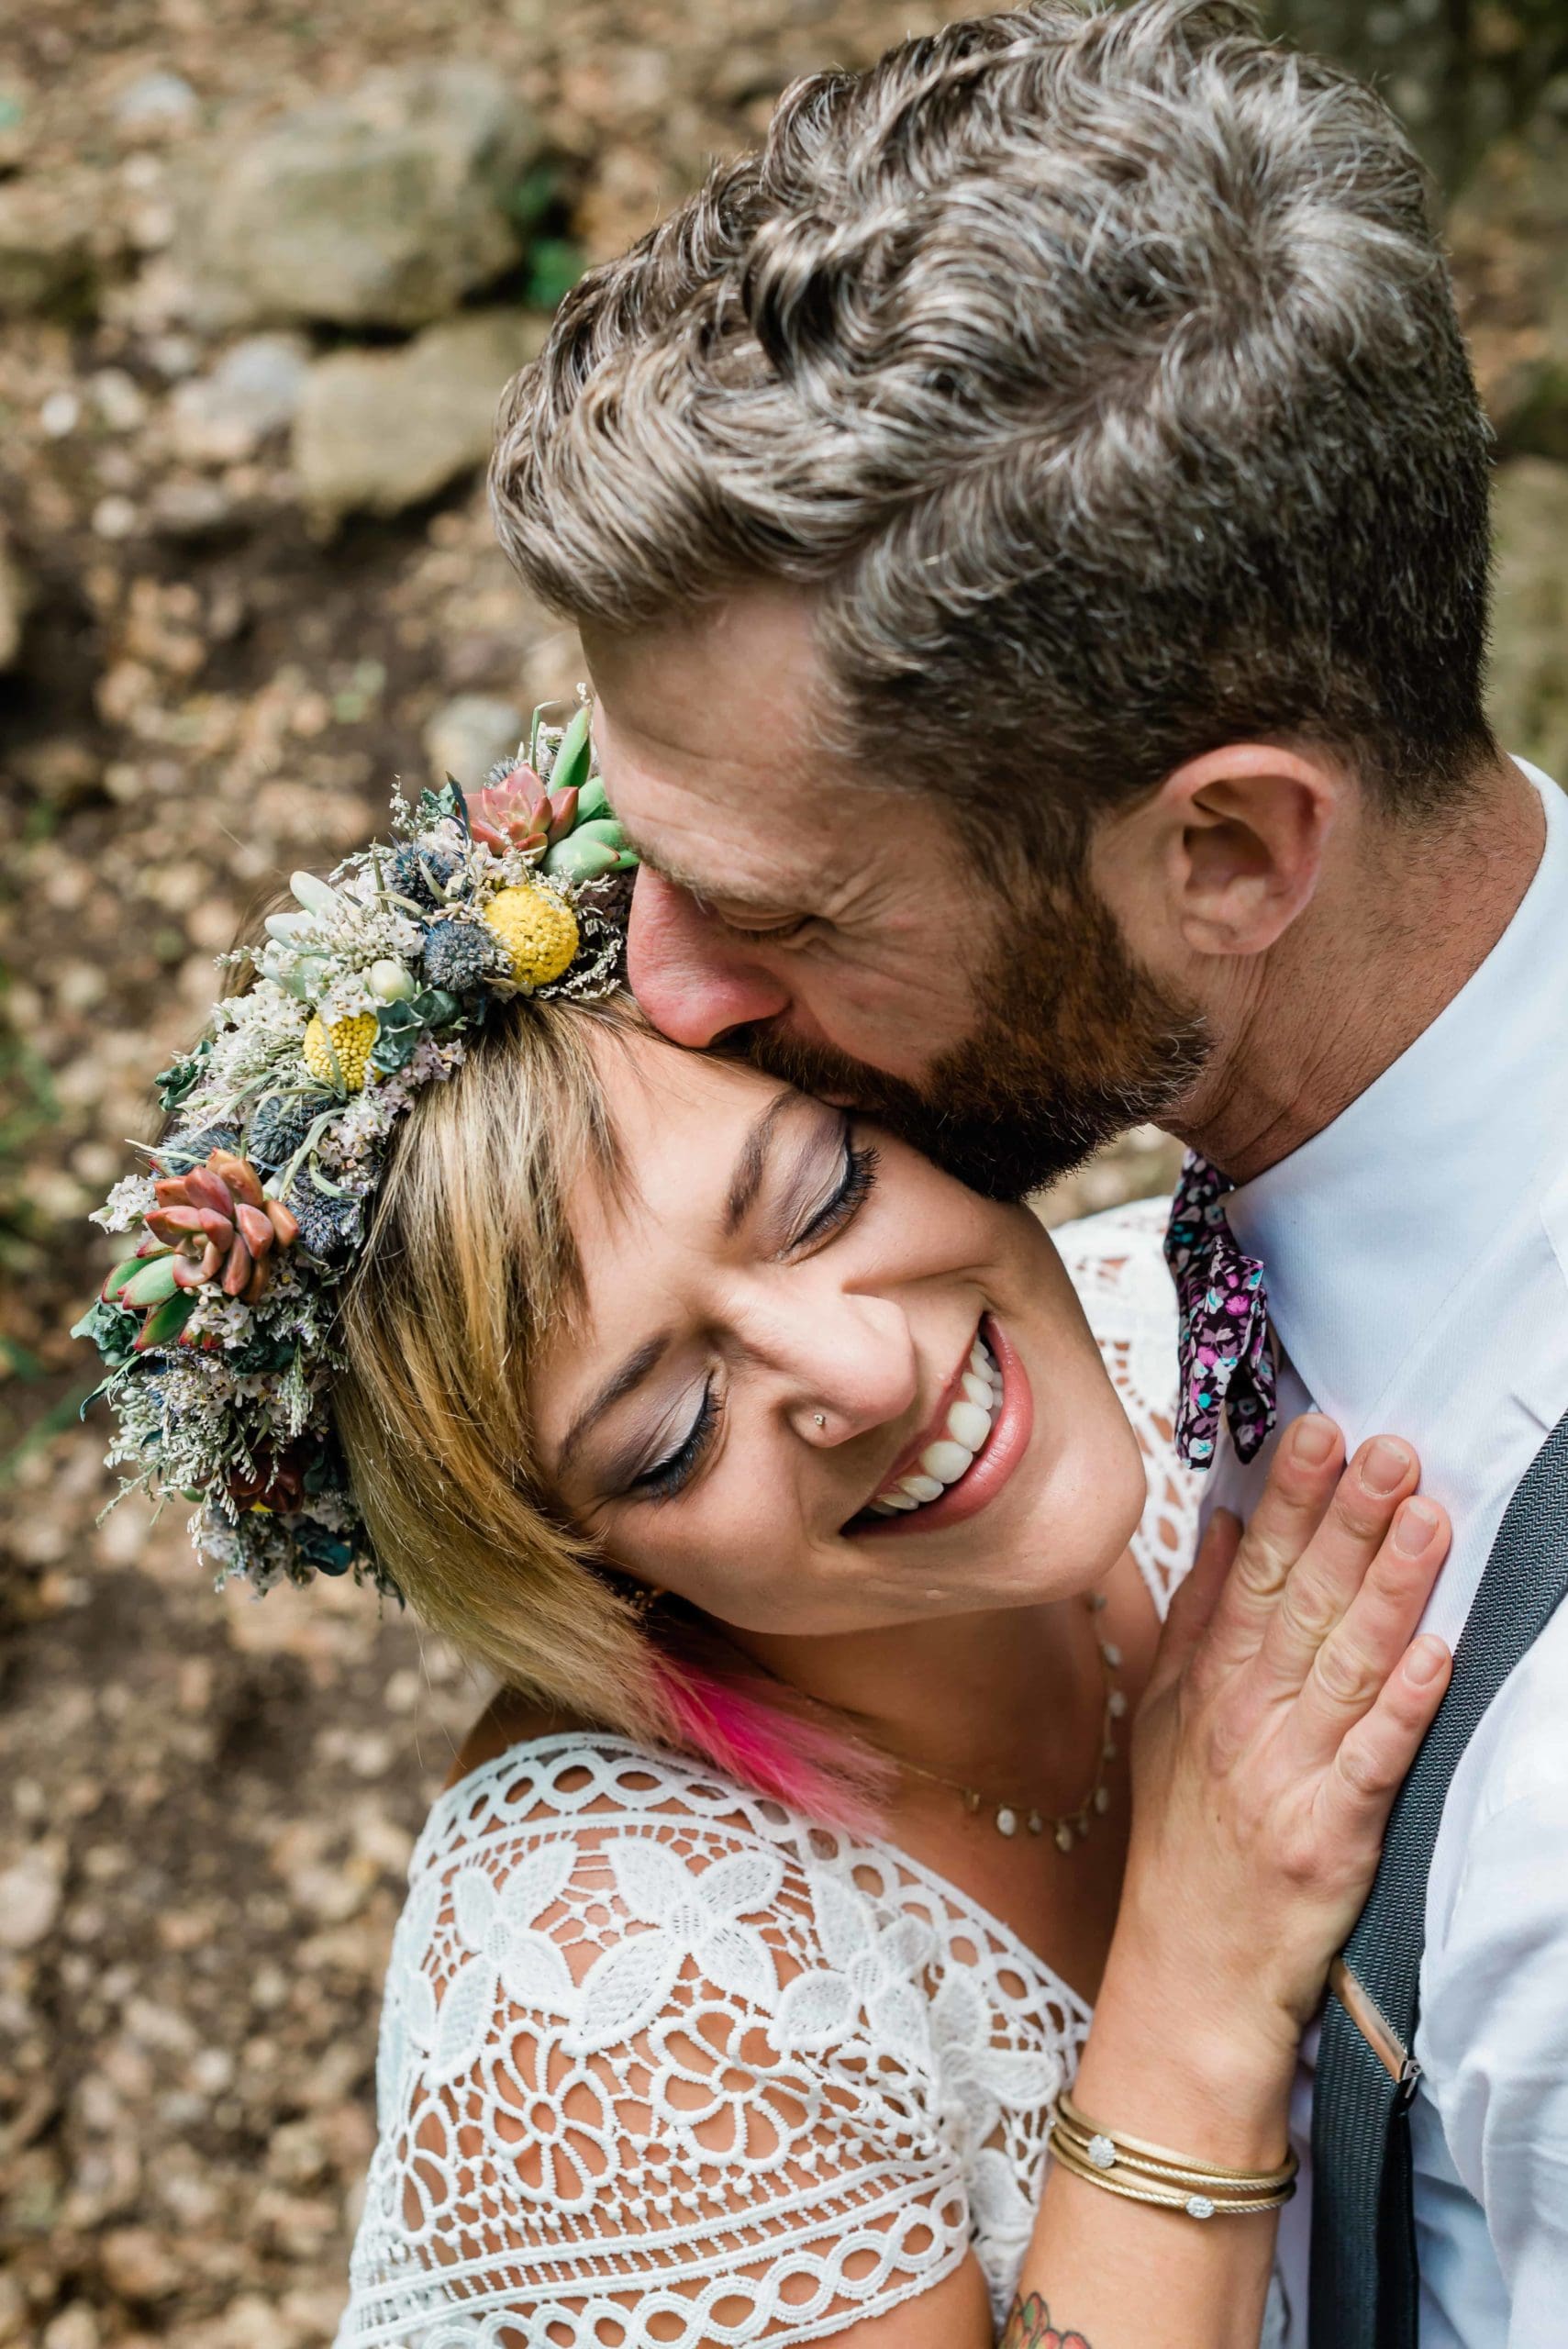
(672, 1473)
(674, 1468)
(857, 1176)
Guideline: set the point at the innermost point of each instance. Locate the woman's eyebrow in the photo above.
(751, 1165)
(616, 1389)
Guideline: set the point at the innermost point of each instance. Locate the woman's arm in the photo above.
(1287, 1704)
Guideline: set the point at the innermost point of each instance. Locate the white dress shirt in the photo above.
(1415, 1253)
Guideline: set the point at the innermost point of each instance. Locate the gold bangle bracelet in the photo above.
(1217, 2205)
(1105, 2153)
(1110, 2146)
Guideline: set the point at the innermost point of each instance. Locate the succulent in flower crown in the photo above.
(218, 1335)
(567, 824)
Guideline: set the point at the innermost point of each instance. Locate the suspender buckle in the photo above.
(1378, 2032)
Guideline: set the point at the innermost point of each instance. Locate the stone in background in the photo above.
(379, 431)
(380, 209)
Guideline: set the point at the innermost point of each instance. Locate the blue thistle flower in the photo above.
(411, 869)
(458, 955)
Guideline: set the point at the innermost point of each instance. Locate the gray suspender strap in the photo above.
(1365, 2281)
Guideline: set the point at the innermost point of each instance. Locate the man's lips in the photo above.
(993, 1465)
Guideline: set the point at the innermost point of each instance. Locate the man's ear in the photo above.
(1231, 845)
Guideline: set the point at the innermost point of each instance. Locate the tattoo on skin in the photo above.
(1029, 2327)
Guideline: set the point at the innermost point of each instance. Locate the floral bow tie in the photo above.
(1223, 1340)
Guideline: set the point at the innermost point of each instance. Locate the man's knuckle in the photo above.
(1260, 1568)
(1310, 1612)
(1299, 1859)
(1363, 1770)
(1362, 1520)
(1345, 1675)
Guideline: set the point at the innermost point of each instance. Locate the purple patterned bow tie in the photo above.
(1223, 1340)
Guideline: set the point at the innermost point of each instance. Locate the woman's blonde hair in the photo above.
(469, 1264)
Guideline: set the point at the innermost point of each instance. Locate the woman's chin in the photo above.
(1054, 1526)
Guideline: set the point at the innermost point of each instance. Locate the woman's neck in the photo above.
(1010, 1700)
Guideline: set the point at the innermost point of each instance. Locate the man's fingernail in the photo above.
(1414, 1527)
(1424, 1659)
(1385, 1467)
(1314, 1441)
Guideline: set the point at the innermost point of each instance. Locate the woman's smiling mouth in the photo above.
(974, 1441)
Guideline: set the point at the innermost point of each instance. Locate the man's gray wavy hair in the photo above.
(1096, 373)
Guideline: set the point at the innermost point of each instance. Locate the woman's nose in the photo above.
(693, 983)
(857, 1371)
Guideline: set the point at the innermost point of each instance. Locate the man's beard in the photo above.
(1074, 1044)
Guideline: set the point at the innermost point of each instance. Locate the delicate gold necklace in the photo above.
(1069, 1826)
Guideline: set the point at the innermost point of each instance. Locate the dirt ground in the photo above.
(206, 1804)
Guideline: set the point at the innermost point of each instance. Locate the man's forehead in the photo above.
(727, 698)
(714, 762)
(713, 744)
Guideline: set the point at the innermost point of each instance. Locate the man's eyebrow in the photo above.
(616, 1389)
(761, 901)
(750, 1166)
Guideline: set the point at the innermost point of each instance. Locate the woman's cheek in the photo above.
(735, 1565)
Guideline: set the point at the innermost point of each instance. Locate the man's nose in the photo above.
(693, 983)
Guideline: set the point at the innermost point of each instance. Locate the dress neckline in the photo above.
(1077, 2007)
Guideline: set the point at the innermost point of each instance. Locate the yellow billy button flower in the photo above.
(339, 1054)
(538, 931)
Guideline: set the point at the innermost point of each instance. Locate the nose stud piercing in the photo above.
(820, 1419)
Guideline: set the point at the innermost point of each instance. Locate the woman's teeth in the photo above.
(970, 1416)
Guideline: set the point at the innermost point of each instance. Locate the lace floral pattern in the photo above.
(1117, 1265)
(662, 2063)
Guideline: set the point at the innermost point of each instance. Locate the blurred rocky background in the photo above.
(264, 266)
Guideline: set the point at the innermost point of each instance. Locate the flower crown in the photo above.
(219, 1334)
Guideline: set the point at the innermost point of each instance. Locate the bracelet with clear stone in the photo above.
(1153, 2174)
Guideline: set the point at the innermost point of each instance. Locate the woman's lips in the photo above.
(993, 1465)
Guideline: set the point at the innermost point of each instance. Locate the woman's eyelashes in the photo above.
(675, 1470)
(856, 1180)
(670, 1475)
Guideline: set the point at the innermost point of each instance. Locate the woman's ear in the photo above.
(1231, 846)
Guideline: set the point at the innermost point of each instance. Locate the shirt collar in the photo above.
(1367, 1228)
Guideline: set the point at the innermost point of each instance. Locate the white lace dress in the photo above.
(665, 2066)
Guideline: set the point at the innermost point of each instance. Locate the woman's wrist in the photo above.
(1172, 2058)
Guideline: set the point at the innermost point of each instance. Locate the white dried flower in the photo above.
(133, 1197)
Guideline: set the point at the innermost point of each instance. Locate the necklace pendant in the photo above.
(1036, 1823)
(1102, 1801)
(1063, 1836)
(1006, 1821)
